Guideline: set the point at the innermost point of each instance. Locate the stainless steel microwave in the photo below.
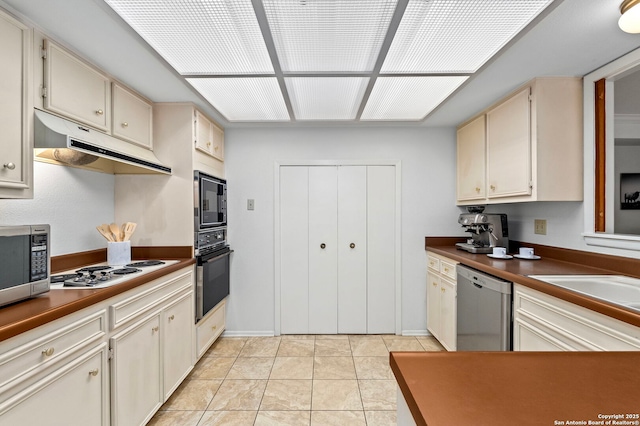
(210, 201)
(25, 262)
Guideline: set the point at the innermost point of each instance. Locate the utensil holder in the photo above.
(118, 253)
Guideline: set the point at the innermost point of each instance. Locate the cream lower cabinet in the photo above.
(441, 299)
(16, 109)
(57, 374)
(210, 328)
(546, 323)
(154, 352)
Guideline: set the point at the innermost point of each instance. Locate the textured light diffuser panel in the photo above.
(326, 98)
(329, 35)
(244, 99)
(408, 98)
(447, 36)
(200, 36)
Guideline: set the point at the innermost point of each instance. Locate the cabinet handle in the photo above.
(352, 245)
(99, 112)
(125, 124)
(172, 317)
(323, 246)
(446, 270)
(493, 187)
(154, 329)
(48, 351)
(435, 284)
(442, 289)
(10, 166)
(477, 190)
(94, 372)
(208, 143)
(214, 327)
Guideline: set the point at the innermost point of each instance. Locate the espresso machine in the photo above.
(488, 230)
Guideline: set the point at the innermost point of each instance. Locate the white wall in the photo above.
(72, 201)
(428, 206)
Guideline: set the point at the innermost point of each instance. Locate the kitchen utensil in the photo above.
(128, 229)
(115, 230)
(105, 231)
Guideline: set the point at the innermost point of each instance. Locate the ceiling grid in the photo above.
(327, 60)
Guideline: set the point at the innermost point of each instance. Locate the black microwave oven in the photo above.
(24, 262)
(210, 200)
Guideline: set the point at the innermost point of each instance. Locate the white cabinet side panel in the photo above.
(294, 250)
(323, 271)
(381, 207)
(352, 261)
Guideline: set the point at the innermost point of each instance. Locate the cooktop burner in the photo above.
(92, 269)
(124, 271)
(61, 278)
(146, 263)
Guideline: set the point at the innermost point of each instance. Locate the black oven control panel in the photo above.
(210, 240)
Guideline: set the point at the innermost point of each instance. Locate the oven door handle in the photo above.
(204, 259)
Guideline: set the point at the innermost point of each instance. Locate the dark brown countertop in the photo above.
(518, 388)
(554, 261)
(29, 314)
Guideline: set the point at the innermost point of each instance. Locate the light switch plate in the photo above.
(250, 204)
(540, 226)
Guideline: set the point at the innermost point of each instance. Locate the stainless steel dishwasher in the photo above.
(484, 311)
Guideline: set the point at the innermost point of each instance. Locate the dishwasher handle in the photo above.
(477, 285)
(482, 280)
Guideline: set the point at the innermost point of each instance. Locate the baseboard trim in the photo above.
(228, 333)
(415, 333)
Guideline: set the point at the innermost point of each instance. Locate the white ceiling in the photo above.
(572, 37)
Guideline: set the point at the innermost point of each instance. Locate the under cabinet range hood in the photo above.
(61, 141)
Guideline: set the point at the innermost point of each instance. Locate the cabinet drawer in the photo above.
(23, 361)
(208, 330)
(433, 263)
(122, 312)
(448, 269)
(575, 326)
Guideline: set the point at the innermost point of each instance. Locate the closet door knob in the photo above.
(323, 246)
(352, 245)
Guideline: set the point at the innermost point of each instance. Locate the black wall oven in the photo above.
(212, 270)
(210, 201)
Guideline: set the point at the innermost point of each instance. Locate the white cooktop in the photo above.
(115, 279)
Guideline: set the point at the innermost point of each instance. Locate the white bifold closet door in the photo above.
(337, 249)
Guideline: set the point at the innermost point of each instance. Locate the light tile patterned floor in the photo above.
(333, 380)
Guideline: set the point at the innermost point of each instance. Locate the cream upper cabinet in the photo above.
(132, 117)
(533, 146)
(209, 137)
(74, 89)
(509, 147)
(471, 159)
(16, 155)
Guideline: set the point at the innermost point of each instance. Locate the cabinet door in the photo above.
(76, 90)
(433, 304)
(16, 153)
(528, 337)
(135, 373)
(448, 314)
(132, 117)
(75, 394)
(177, 320)
(203, 133)
(381, 249)
(294, 250)
(323, 250)
(471, 161)
(352, 249)
(217, 140)
(509, 147)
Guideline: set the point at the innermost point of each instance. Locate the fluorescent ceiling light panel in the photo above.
(326, 98)
(408, 98)
(456, 36)
(200, 36)
(244, 99)
(330, 35)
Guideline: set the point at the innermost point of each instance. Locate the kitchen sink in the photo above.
(617, 289)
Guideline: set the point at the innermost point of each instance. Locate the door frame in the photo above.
(398, 227)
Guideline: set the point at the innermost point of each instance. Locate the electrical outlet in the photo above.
(540, 226)
(250, 204)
